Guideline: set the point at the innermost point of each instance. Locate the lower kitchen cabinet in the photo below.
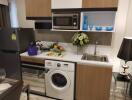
(93, 82)
(33, 74)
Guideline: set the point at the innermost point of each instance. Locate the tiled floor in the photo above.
(33, 97)
(116, 96)
(119, 95)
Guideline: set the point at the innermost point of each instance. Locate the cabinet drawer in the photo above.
(32, 60)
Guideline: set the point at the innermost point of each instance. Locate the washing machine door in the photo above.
(59, 80)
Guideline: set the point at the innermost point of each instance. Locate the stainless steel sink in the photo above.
(94, 58)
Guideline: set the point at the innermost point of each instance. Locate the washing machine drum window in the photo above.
(59, 80)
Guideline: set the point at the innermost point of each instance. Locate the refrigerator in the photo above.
(14, 41)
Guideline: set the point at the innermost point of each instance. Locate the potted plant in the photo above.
(80, 40)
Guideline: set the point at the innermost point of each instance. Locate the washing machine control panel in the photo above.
(59, 65)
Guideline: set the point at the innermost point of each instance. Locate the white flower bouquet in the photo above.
(80, 39)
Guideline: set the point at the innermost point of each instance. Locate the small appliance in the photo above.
(47, 24)
(66, 21)
(125, 53)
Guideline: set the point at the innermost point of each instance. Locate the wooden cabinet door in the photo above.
(93, 83)
(38, 8)
(100, 3)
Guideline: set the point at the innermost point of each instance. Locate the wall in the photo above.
(66, 4)
(120, 24)
(22, 15)
(13, 13)
(66, 37)
(129, 21)
(4, 2)
(128, 32)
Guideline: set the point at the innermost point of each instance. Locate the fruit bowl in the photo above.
(55, 50)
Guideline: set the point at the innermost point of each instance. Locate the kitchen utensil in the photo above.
(91, 27)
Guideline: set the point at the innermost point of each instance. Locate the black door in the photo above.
(11, 64)
(59, 80)
(1, 60)
(9, 40)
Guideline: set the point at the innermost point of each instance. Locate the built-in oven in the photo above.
(33, 74)
(66, 21)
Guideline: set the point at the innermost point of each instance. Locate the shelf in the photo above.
(81, 31)
(38, 18)
(84, 9)
(97, 31)
(60, 30)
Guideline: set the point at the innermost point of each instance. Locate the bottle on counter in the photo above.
(32, 49)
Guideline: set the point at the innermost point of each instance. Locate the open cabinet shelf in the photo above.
(91, 20)
(81, 31)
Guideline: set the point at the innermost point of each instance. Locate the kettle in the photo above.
(32, 49)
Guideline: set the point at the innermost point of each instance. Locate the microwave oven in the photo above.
(66, 21)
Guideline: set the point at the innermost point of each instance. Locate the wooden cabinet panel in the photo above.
(93, 83)
(32, 60)
(62, 4)
(38, 8)
(100, 3)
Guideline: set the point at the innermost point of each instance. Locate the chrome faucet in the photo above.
(95, 50)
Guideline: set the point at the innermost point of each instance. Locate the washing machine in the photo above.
(60, 79)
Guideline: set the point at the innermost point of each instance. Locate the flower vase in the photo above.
(80, 50)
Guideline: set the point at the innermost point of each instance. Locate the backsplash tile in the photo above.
(46, 35)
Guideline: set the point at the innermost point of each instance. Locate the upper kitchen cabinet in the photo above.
(38, 8)
(64, 4)
(99, 3)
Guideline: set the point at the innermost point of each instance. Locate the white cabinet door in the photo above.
(62, 4)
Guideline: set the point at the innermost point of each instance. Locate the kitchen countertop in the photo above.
(70, 57)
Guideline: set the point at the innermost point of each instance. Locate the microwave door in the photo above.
(63, 22)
